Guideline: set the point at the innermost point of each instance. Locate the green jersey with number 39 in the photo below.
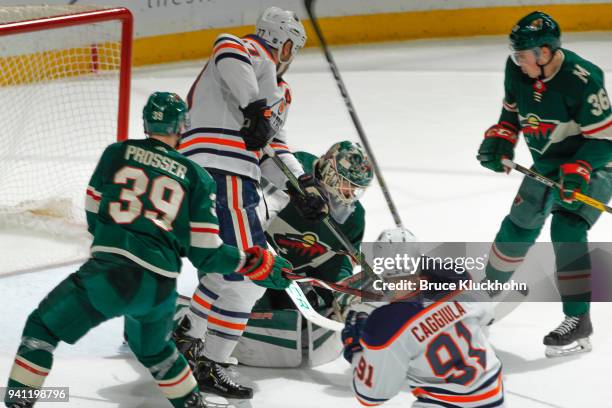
(148, 203)
(565, 117)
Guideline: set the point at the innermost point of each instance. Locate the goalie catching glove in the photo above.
(573, 177)
(265, 269)
(312, 201)
(256, 129)
(498, 144)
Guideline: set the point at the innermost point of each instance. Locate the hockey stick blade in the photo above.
(301, 302)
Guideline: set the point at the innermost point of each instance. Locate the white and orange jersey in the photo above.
(441, 350)
(239, 71)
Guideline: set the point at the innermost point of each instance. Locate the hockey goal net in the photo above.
(64, 96)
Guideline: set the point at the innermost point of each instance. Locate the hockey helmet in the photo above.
(165, 114)
(537, 29)
(345, 171)
(276, 26)
(392, 241)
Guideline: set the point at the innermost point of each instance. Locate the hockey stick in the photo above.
(309, 4)
(550, 183)
(301, 302)
(357, 256)
(299, 299)
(336, 287)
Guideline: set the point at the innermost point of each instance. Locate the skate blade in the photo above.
(577, 347)
(233, 361)
(215, 401)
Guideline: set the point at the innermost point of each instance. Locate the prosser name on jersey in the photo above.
(155, 160)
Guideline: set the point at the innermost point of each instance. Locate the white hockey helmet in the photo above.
(404, 240)
(396, 235)
(276, 26)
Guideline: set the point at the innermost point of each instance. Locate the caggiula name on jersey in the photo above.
(427, 326)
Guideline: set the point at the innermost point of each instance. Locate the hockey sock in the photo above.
(172, 374)
(509, 249)
(569, 235)
(35, 354)
(200, 305)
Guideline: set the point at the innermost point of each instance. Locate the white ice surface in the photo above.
(424, 106)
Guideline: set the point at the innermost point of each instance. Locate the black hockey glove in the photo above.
(312, 204)
(351, 334)
(256, 129)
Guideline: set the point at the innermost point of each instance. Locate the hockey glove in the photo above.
(573, 177)
(498, 143)
(256, 129)
(351, 334)
(312, 204)
(265, 269)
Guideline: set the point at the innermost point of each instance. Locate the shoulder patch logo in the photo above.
(581, 73)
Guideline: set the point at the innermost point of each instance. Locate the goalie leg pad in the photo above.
(324, 345)
(272, 339)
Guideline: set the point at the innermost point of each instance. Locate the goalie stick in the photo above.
(299, 299)
(550, 183)
(309, 4)
(301, 302)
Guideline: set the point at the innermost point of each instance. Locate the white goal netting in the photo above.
(59, 104)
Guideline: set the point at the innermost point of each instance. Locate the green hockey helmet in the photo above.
(536, 29)
(345, 171)
(165, 114)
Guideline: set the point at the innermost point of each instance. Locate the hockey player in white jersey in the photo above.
(238, 105)
(436, 345)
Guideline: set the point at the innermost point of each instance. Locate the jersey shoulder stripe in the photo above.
(228, 46)
(257, 47)
(227, 37)
(387, 323)
(233, 55)
(387, 320)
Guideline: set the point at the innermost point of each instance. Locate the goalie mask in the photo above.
(345, 172)
(277, 26)
(165, 114)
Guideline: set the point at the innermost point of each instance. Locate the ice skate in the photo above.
(571, 337)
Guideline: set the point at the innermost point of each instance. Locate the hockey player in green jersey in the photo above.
(558, 100)
(147, 206)
(273, 336)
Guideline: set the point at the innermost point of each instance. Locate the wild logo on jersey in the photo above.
(538, 131)
(300, 248)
